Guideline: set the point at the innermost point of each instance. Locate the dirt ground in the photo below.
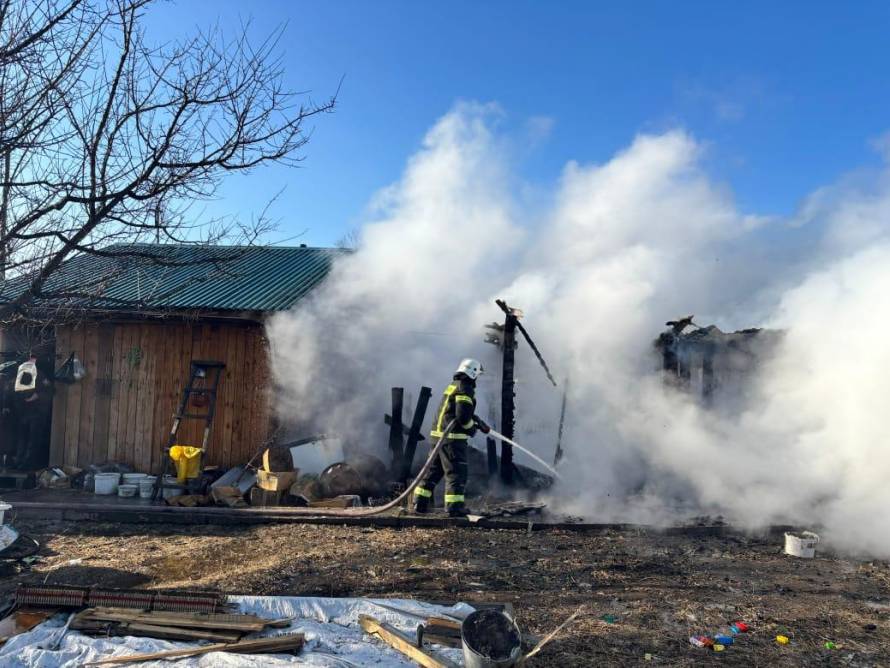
(644, 594)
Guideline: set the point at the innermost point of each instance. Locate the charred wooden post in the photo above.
(557, 456)
(395, 430)
(684, 368)
(508, 394)
(414, 434)
(492, 448)
(707, 374)
(665, 343)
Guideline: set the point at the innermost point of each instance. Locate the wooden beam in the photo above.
(399, 641)
(387, 420)
(491, 448)
(283, 643)
(196, 620)
(396, 445)
(414, 434)
(508, 394)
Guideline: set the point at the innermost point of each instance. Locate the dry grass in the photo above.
(659, 589)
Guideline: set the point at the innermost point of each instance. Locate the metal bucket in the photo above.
(490, 639)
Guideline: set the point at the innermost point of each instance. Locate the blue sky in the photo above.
(787, 96)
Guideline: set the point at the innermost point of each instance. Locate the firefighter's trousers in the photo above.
(452, 464)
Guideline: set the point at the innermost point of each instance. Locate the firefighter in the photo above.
(459, 404)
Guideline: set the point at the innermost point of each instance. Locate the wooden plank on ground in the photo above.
(22, 621)
(87, 625)
(282, 643)
(194, 620)
(399, 641)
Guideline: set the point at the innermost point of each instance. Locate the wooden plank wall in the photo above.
(122, 411)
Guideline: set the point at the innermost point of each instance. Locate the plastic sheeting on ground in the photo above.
(333, 637)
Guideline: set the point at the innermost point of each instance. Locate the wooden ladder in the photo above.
(203, 382)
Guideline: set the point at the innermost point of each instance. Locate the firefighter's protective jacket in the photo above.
(458, 401)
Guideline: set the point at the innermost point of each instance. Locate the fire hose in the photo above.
(376, 510)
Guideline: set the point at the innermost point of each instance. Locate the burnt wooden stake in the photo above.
(508, 395)
(707, 375)
(395, 430)
(492, 447)
(562, 420)
(668, 358)
(414, 434)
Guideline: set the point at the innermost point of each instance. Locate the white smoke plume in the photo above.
(619, 248)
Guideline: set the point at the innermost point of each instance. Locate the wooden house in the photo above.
(140, 324)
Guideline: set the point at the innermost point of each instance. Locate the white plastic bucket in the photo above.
(146, 486)
(127, 491)
(801, 545)
(106, 483)
(3, 508)
(170, 492)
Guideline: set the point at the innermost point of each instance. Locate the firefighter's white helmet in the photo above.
(470, 367)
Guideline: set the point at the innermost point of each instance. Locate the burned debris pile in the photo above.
(708, 362)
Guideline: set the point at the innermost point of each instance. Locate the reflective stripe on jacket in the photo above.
(458, 402)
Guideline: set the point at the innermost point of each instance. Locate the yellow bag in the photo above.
(188, 461)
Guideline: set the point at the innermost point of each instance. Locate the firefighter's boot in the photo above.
(457, 509)
(422, 500)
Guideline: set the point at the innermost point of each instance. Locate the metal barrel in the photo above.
(477, 626)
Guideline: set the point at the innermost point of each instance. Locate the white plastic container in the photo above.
(133, 478)
(106, 483)
(801, 545)
(146, 486)
(127, 491)
(3, 508)
(170, 492)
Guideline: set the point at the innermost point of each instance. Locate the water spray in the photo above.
(531, 454)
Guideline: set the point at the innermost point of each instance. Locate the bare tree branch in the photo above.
(107, 138)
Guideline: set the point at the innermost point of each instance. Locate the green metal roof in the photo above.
(187, 277)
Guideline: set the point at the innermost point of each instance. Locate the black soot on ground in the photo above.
(491, 634)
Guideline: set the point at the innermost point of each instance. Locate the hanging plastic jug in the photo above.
(26, 378)
(188, 461)
(78, 370)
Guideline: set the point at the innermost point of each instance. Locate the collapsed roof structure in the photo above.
(707, 361)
